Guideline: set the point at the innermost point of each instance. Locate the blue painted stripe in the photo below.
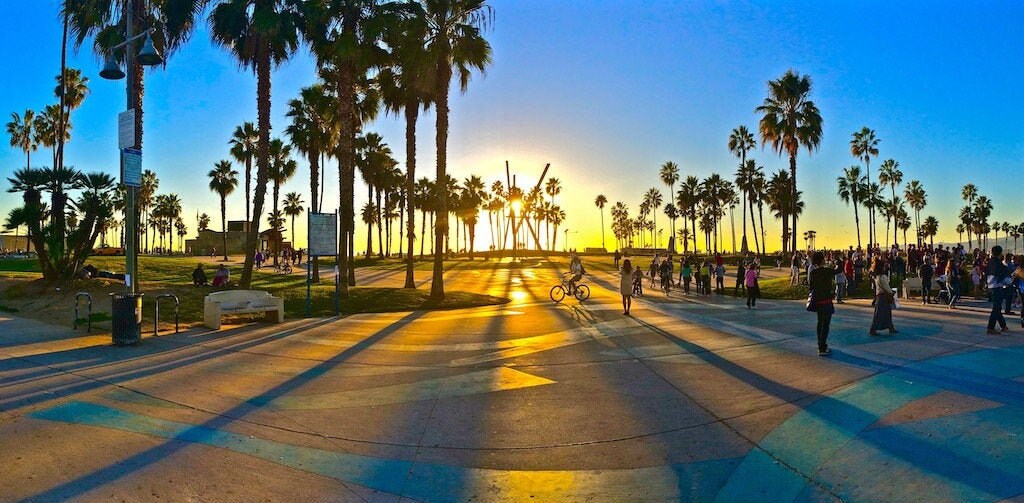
(698, 481)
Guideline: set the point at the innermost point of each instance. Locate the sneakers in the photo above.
(824, 352)
(992, 331)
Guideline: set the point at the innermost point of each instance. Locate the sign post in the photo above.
(322, 234)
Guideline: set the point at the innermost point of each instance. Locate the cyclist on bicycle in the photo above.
(577, 271)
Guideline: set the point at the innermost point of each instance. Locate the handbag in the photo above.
(895, 302)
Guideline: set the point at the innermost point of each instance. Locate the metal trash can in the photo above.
(126, 318)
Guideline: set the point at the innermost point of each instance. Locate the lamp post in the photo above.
(111, 71)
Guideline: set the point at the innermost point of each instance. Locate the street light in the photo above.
(126, 309)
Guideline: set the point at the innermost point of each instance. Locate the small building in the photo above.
(210, 242)
(14, 242)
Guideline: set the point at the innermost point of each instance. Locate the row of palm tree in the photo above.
(406, 51)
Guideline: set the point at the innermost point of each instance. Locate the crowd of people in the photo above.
(945, 274)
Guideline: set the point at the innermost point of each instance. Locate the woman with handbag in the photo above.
(820, 299)
(883, 298)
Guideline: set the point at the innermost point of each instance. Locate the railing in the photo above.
(89, 319)
(156, 316)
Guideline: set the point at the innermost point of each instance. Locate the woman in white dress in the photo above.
(626, 286)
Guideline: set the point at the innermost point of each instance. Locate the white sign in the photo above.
(322, 234)
(126, 129)
(131, 167)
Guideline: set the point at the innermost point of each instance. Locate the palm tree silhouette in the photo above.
(790, 120)
(223, 180)
(260, 35)
(454, 41)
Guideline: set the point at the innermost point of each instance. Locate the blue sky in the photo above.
(607, 91)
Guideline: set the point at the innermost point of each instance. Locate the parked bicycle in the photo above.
(283, 267)
(559, 292)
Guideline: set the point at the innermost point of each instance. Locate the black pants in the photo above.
(686, 284)
(998, 294)
(824, 321)
(1008, 300)
(752, 296)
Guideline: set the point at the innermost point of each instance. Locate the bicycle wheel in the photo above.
(582, 292)
(557, 293)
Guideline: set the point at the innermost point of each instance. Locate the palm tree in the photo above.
(74, 87)
(260, 34)
(1006, 234)
(790, 120)
(687, 200)
(553, 187)
(864, 146)
(223, 180)
(982, 210)
(930, 228)
(917, 198)
(454, 40)
(741, 140)
(851, 189)
(282, 169)
(969, 193)
(889, 174)
(404, 89)
(669, 174)
(312, 133)
(654, 200)
(872, 200)
(243, 148)
(600, 201)
(293, 208)
(23, 134)
(46, 125)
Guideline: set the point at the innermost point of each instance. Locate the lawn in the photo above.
(22, 291)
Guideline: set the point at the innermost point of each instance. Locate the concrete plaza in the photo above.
(692, 398)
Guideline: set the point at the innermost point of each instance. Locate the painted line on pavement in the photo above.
(473, 383)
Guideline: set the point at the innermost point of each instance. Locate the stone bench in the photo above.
(217, 304)
(911, 285)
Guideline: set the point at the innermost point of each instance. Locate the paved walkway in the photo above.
(691, 398)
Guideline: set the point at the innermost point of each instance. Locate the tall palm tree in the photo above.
(654, 199)
(46, 125)
(74, 88)
(23, 134)
(312, 132)
(851, 190)
(600, 201)
(930, 227)
(889, 174)
(223, 180)
(790, 120)
(873, 200)
(405, 89)
(741, 141)
(687, 200)
(293, 207)
(864, 146)
(260, 34)
(454, 42)
(243, 149)
(282, 169)
(917, 198)
(669, 174)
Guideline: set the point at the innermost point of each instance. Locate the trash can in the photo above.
(126, 318)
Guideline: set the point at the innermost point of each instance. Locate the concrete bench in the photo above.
(218, 304)
(911, 285)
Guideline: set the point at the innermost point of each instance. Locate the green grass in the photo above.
(27, 292)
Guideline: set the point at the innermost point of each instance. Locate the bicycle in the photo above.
(284, 268)
(558, 292)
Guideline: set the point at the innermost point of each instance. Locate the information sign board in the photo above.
(131, 167)
(323, 234)
(126, 129)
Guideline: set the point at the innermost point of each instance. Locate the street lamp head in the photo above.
(111, 70)
(148, 56)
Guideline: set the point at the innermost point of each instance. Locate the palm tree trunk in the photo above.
(262, 159)
(380, 225)
(423, 234)
(856, 220)
(792, 172)
(411, 114)
(248, 190)
(224, 225)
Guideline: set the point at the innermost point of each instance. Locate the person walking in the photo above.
(998, 280)
(882, 319)
(626, 286)
(1018, 278)
(741, 276)
(840, 280)
(618, 257)
(820, 300)
(926, 272)
(750, 282)
(954, 275)
(720, 279)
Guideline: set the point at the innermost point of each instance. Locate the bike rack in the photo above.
(89, 319)
(156, 316)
